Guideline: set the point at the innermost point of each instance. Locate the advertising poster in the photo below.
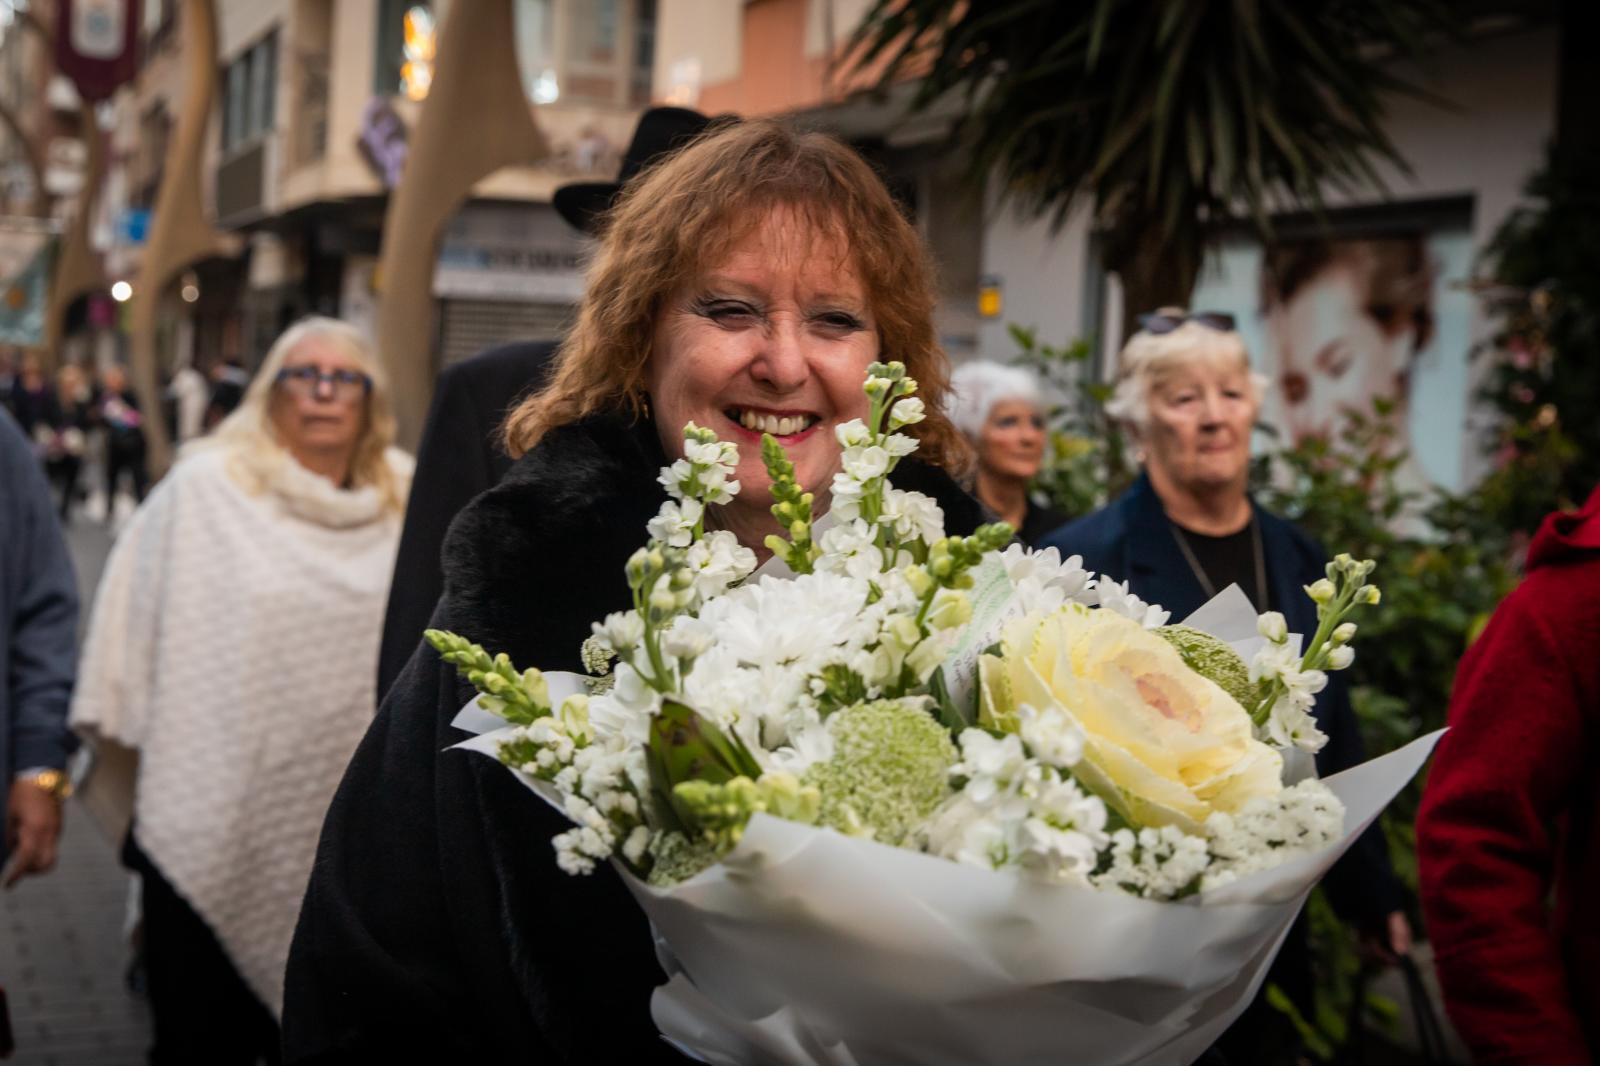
(1338, 319)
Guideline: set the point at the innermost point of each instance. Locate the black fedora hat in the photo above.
(661, 131)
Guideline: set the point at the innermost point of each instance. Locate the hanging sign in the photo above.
(97, 44)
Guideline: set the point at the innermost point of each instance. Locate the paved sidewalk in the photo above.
(62, 953)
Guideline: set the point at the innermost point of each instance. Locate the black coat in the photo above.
(460, 457)
(437, 927)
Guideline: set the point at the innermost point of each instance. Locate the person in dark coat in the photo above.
(748, 280)
(1508, 835)
(1186, 530)
(38, 645)
(461, 454)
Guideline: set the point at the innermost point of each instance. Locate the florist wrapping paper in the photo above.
(806, 946)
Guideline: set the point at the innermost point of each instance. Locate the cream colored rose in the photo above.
(1164, 745)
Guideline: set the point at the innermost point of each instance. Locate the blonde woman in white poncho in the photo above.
(233, 644)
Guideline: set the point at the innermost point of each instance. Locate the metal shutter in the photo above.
(468, 327)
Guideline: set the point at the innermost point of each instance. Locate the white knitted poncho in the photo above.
(234, 643)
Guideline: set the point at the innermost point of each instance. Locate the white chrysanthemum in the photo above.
(1114, 596)
(1044, 582)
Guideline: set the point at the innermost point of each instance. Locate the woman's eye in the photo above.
(839, 320)
(727, 312)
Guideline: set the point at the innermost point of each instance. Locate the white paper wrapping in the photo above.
(805, 946)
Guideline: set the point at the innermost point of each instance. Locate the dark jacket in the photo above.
(1508, 836)
(38, 617)
(1131, 540)
(437, 927)
(460, 456)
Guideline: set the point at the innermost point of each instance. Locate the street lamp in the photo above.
(121, 291)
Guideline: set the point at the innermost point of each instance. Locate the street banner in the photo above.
(97, 44)
(27, 250)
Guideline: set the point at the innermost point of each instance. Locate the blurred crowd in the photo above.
(83, 419)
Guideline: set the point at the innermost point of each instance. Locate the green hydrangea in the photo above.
(890, 769)
(676, 858)
(1212, 658)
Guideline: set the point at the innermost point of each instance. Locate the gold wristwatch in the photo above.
(55, 782)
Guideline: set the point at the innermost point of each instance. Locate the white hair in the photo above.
(976, 387)
(250, 432)
(1148, 357)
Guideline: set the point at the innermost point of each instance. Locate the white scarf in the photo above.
(234, 643)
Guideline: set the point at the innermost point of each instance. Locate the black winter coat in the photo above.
(437, 926)
(460, 457)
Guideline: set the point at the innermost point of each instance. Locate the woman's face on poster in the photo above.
(1342, 343)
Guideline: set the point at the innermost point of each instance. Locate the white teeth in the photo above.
(778, 427)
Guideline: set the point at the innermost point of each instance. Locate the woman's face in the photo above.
(1011, 444)
(1340, 347)
(322, 414)
(1198, 436)
(775, 338)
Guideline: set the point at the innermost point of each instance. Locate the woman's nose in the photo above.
(781, 362)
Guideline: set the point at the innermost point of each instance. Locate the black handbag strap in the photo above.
(1430, 1033)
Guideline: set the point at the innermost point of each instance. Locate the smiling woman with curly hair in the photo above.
(744, 284)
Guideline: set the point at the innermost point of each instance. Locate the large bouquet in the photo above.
(904, 797)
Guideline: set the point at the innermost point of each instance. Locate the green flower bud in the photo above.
(1344, 633)
(1321, 591)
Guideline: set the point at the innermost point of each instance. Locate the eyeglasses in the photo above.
(1159, 323)
(305, 381)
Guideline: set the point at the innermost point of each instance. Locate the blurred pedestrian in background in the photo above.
(1188, 529)
(229, 379)
(187, 395)
(33, 402)
(232, 644)
(38, 635)
(461, 453)
(1508, 835)
(64, 456)
(116, 411)
(1001, 410)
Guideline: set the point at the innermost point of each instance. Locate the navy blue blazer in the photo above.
(1131, 540)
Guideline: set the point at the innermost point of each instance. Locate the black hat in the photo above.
(661, 131)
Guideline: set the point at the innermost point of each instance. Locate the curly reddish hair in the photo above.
(685, 214)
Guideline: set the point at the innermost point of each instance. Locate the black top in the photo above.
(1038, 523)
(436, 925)
(1228, 560)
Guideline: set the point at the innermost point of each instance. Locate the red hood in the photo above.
(1567, 534)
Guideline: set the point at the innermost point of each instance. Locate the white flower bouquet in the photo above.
(903, 797)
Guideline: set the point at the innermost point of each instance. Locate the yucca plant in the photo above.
(1170, 116)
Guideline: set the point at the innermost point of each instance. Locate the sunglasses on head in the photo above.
(1159, 322)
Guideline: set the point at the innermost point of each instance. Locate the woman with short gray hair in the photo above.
(1185, 531)
(1000, 409)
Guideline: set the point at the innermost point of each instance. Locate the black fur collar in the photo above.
(532, 562)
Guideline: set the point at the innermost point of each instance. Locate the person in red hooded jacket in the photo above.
(1508, 836)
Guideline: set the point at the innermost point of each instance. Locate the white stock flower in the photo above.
(852, 434)
(899, 445)
(1341, 657)
(1273, 626)
(717, 561)
(907, 412)
(621, 631)
(913, 516)
(866, 462)
(1051, 734)
(676, 521)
